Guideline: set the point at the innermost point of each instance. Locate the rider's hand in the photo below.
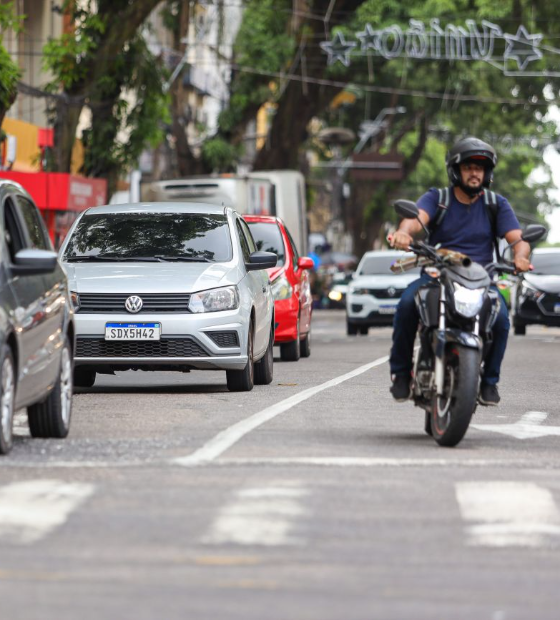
(522, 264)
(400, 240)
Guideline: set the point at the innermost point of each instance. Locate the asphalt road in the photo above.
(316, 497)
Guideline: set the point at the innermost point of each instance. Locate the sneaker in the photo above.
(489, 396)
(401, 389)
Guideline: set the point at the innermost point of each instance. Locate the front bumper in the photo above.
(188, 341)
(530, 311)
(368, 310)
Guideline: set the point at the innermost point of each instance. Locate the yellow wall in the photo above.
(27, 151)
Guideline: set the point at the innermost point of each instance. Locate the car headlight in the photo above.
(468, 301)
(215, 300)
(281, 288)
(359, 291)
(75, 299)
(336, 295)
(530, 291)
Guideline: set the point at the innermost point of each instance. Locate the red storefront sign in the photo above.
(61, 197)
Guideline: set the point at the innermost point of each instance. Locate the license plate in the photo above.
(132, 331)
(387, 309)
(557, 308)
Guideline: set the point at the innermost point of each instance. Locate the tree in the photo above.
(105, 64)
(9, 71)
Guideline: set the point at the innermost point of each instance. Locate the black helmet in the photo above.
(478, 151)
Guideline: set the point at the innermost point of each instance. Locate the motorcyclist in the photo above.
(465, 228)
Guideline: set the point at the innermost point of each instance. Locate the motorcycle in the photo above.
(458, 309)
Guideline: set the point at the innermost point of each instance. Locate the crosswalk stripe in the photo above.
(508, 513)
(32, 509)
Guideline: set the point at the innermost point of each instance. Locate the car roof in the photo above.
(382, 253)
(160, 207)
(546, 251)
(265, 219)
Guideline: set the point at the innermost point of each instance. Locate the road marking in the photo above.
(259, 516)
(352, 461)
(528, 427)
(230, 436)
(30, 510)
(520, 514)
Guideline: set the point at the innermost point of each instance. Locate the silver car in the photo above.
(169, 286)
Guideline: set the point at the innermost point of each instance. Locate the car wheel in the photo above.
(351, 329)
(7, 400)
(243, 380)
(291, 351)
(305, 346)
(264, 368)
(364, 329)
(51, 418)
(519, 330)
(84, 377)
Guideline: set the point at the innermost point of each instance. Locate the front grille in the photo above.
(383, 293)
(547, 303)
(103, 303)
(166, 347)
(224, 339)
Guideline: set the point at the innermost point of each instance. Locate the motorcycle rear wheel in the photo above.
(451, 414)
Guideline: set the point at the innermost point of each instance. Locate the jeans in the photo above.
(405, 326)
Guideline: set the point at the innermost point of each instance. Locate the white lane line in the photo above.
(356, 461)
(528, 427)
(520, 514)
(260, 516)
(30, 510)
(230, 436)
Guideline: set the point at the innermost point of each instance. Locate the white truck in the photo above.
(270, 192)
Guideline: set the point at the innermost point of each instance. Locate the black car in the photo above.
(537, 295)
(36, 323)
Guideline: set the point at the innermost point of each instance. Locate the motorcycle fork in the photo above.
(440, 346)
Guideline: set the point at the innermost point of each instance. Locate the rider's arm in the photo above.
(403, 237)
(521, 251)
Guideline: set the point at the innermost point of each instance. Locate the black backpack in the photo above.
(490, 202)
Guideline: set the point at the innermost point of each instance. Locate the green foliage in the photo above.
(9, 71)
(219, 154)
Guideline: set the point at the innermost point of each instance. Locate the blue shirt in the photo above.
(467, 228)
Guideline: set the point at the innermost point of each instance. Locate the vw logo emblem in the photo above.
(391, 292)
(134, 304)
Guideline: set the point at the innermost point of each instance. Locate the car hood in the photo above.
(547, 284)
(149, 277)
(384, 281)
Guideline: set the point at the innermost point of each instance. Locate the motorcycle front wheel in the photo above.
(451, 413)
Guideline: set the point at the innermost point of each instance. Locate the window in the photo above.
(294, 250)
(268, 238)
(34, 223)
(243, 241)
(12, 232)
(248, 236)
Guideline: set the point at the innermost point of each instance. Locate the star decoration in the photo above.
(338, 49)
(522, 47)
(368, 37)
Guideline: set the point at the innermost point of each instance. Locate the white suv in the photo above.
(374, 292)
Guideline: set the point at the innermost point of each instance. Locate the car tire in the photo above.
(519, 330)
(51, 418)
(351, 329)
(291, 351)
(264, 368)
(243, 380)
(364, 330)
(84, 377)
(7, 400)
(305, 345)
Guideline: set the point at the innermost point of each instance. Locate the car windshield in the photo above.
(381, 265)
(546, 264)
(268, 238)
(150, 236)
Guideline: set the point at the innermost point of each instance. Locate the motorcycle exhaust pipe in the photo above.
(466, 262)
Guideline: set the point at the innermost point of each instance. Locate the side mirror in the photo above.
(534, 232)
(261, 260)
(305, 262)
(406, 209)
(33, 262)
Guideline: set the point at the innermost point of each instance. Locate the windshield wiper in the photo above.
(110, 258)
(188, 259)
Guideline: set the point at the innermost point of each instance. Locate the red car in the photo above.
(290, 286)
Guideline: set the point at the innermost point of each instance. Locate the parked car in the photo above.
(290, 286)
(374, 292)
(170, 286)
(338, 289)
(536, 298)
(36, 323)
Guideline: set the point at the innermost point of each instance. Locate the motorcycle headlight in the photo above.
(75, 300)
(281, 288)
(468, 301)
(215, 300)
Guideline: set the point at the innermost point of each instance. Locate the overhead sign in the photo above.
(513, 54)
